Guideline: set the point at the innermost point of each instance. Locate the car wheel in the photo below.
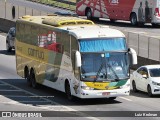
(68, 91)
(149, 91)
(89, 14)
(8, 47)
(134, 86)
(133, 19)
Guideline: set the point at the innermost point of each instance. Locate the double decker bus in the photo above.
(135, 11)
(74, 56)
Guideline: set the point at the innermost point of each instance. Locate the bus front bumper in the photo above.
(104, 93)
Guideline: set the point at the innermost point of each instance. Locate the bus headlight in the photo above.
(86, 88)
(125, 86)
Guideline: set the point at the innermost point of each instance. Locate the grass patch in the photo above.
(56, 3)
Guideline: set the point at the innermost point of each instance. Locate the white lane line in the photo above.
(15, 96)
(33, 101)
(51, 107)
(125, 98)
(2, 36)
(10, 90)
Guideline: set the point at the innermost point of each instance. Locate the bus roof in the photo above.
(78, 27)
(93, 31)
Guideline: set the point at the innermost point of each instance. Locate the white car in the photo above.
(147, 79)
(10, 39)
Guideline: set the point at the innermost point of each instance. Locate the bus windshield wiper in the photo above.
(117, 78)
(99, 70)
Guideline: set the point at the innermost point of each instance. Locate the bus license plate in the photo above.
(105, 93)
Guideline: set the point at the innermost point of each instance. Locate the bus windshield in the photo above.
(104, 59)
(105, 66)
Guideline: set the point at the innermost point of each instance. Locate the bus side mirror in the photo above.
(133, 54)
(78, 59)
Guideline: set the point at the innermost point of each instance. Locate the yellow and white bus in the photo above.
(74, 56)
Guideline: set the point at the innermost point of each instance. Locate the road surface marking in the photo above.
(2, 36)
(10, 90)
(125, 98)
(61, 107)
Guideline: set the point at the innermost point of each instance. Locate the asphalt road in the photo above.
(16, 95)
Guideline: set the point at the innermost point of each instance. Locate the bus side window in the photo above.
(34, 32)
(74, 48)
(21, 32)
(42, 38)
(52, 43)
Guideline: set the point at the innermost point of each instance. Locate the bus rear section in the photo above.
(135, 11)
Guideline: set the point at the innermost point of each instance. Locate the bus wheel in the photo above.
(134, 86)
(68, 91)
(112, 98)
(155, 25)
(33, 80)
(141, 24)
(27, 77)
(133, 19)
(149, 91)
(112, 20)
(89, 14)
(95, 18)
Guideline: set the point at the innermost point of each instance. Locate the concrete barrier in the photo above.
(2, 9)
(5, 25)
(147, 47)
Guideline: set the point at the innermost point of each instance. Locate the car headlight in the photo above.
(86, 88)
(155, 83)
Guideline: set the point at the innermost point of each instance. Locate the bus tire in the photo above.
(112, 98)
(155, 25)
(27, 76)
(112, 20)
(95, 18)
(133, 19)
(89, 14)
(34, 84)
(68, 91)
(141, 24)
(134, 86)
(149, 90)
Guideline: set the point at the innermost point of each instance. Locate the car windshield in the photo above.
(105, 66)
(154, 72)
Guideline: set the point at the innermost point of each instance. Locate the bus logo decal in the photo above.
(36, 53)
